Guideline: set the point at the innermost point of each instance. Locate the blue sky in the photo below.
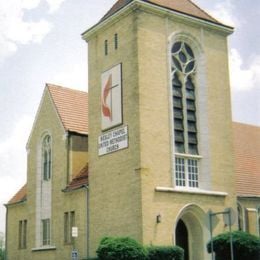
(40, 41)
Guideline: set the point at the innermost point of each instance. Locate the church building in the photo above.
(148, 153)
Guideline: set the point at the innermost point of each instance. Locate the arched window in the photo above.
(183, 74)
(46, 158)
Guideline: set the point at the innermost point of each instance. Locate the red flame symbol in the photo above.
(105, 108)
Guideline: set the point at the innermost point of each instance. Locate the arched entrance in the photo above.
(190, 232)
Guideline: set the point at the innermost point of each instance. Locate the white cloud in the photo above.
(54, 5)
(72, 76)
(30, 4)
(224, 12)
(15, 30)
(243, 78)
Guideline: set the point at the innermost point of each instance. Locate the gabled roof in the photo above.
(79, 181)
(71, 106)
(181, 6)
(247, 159)
(20, 196)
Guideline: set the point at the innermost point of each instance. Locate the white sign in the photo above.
(111, 97)
(74, 232)
(113, 141)
(74, 255)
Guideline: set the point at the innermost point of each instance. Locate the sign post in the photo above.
(229, 220)
(74, 252)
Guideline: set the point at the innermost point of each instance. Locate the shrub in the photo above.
(165, 253)
(245, 246)
(123, 248)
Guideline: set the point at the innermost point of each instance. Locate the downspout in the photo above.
(68, 158)
(87, 215)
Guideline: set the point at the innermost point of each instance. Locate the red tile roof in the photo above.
(181, 6)
(247, 159)
(80, 180)
(72, 107)
(20, 196)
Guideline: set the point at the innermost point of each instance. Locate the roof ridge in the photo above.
(107, 14)
(204, 11)
(63, 87)
(55, 105)
(246, 124)
(203, 15)
(71, 107)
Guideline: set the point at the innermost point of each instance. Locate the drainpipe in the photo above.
(68, 157)
(6, 224)
(87, 215)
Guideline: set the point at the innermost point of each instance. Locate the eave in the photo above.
(137, 4)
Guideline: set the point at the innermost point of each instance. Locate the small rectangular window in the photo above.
(116, 41)
(193, 173)
(106, 47)
(66, 229)
(180, 172)
(46, 238)
(69, 222)
(186, 172)
(22, 235)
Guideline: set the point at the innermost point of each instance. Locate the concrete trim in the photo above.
(191, 191)
(251, 210)
(44, 248)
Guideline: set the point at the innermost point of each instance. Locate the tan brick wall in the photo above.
(154, 33)
(115, 183)
(16, 213)
(146, 108)
(47, 120)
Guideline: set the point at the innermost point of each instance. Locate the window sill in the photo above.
(191, 191)
(189, 156)
(44, 248)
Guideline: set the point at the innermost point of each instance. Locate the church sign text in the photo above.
(113, 141)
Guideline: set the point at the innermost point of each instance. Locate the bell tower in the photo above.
(160, 145)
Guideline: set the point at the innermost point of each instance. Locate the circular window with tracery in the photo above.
(183, 59)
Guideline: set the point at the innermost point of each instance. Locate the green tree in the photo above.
(2, 246)
(245, 245)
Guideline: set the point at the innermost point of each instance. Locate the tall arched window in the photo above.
(183, 73)
(46, 158)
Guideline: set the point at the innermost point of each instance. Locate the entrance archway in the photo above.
(190, 232)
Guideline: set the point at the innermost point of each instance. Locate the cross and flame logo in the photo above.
(106, 109)
(111, 97)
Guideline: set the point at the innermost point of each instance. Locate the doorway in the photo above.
(191, 233)
(182, 238)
